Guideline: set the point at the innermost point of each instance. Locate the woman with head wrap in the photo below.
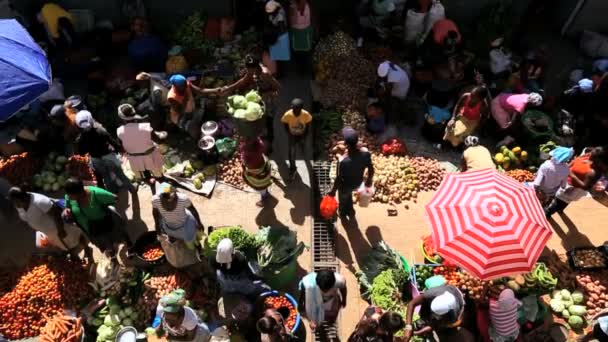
(102, 148)
(233, 272)
(504, 326)
(142, 153)
(506, 108)
(184, 113)
(178, 321)
(475, 156)
(585, 171)
(441, 308)
(257, 170)
(553, 174)
(468, 113)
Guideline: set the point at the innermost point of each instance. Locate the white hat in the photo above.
(272, 6)
(383, 69)
(442, 304)
(391, 7)
(225, 249)
(84, 119)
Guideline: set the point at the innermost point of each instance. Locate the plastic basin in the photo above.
(291, 300)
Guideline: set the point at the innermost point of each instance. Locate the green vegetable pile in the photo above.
(111, 318)
(423, 272)
(248, 107)
(53, 174)
(279, 247)
(242, 241)
(386, 289)
(568, 306)
(326, 123)
(382, 257)
(190, 34)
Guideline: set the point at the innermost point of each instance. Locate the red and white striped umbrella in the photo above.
(488, 223)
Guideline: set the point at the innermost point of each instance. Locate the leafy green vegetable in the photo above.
(279, 246)
(241, 240)
(380, 258)
(576, 322)
(386, 289)
(577, 297)
(577, 310)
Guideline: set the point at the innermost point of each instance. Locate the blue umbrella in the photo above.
(25, 71)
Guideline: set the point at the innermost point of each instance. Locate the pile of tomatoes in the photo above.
(79, 166)
(450, 273)
(152, 252)
(46, 287)
(280, 301)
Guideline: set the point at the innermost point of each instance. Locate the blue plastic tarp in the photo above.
(24, 69)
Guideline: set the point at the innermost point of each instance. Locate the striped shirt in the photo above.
(504, 321)
(175, 218)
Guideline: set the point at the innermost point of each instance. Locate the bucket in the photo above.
(142, 242)
(291, 300)
(283, 278)
(365, 195)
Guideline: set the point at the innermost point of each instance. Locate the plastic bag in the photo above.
(436, 13)
(365, 194)
(177, 253)
(328, 207)
(226, 147)
(414, 26)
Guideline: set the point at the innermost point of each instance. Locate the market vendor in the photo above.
(376, 14)
(257, 171)
(146, 51)
(393, 87)
(351, 169)
(585, 171)
(92, 208)
(553, 174)
(506, 107)
(475, 156)
(184, 112)
(378, 325)
(142, 153)
(175, 215)
(44, 215)
(234, 274)
(322, 295)
(467, 116)
(180, 322)
(503, 317)
(95, 140)
(272, 327)
(276, 35)
(442, 42)
(441, 308)
(156, 104)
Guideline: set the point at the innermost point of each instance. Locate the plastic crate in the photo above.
(572, 258)
(414, 278)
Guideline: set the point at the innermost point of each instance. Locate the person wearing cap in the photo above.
(142, 153)
(184, 113)
(175, 215)
(62, 131)
(180, 322)
(92, 208)
(552, 174)
(95, 140)
(257, 171)
(297, 122)
(233, 272)
(475, 156)
(394, 85)
(468, 114)
(156, 105)
(351, 170)
(441, 309)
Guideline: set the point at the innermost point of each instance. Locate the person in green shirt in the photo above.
(92, 209)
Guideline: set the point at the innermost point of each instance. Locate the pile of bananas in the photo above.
(540, 280)
(547, 147)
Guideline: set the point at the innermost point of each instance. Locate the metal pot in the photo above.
(209, 128)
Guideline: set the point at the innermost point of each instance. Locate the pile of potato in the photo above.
(593, 286)
(429, 171)
(395, 180)
(230, 171)
(473, 286)
(337, 147)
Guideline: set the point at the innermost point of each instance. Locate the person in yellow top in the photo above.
(475, 156)
(58, 22)
(296, 121)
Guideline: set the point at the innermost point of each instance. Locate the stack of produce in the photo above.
(547, 147)
(593, 285)
(155, 288)
(79, 167)
(53, 174)
(558, 264)
(248, 107)
(19, 169)
(588, 258)
(326, 124)
(61, 328)
(450, 273)
(355, 119)
(230, 171)
(241, 240)
(395, 180)
(473, 286)
(152, 252)
(338, 93)
(423, 272)
(278, 302)
(568, 305)
(46, 287)
(112, 317)
(507, 158)
(337, 146)
(279, 248)
(387, 290)
(540, 280)
(380, 258)
(428, 248)
(334, 47)
(393, 146)
(429, 171)
(521, 175)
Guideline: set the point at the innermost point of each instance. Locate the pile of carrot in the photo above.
(61, 328)
(20, 168)
(78, 166)
(46, 287)
(521, 175)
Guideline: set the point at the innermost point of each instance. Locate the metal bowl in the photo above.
(206, 143)
(209, 128)
(127, 334)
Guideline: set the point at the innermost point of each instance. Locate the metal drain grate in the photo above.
(323, 244)
(322, 176)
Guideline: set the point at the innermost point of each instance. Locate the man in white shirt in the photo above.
(395, 85)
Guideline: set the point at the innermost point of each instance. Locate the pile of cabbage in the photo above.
(568, 306)
(110, 319)
(53, 175)
(248, 107)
